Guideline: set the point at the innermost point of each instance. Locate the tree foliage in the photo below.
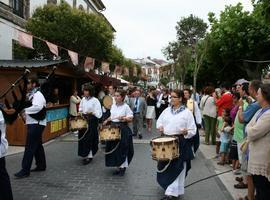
(87, 34)
(235, 37)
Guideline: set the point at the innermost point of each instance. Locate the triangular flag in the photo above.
(74, 57)
(25, 39)
(126, 71)
(89, 64)
(117, 70)
(105, 67)
(53, 48)
(134, 71)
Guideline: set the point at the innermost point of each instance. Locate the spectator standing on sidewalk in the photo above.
(258, 135)
(245, 117)
(209, 112)
(238, 134)
(226, 100)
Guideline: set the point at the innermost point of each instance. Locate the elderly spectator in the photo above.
(225, 101)
(245, 117)
(258, 135)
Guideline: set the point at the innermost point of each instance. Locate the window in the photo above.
(18, 7)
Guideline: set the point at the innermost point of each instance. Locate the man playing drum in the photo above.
(90, 108)
(121, 152)
(176, 120)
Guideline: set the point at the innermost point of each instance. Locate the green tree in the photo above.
(87, 34)
(235, 37)
(186, 52)
(181, 57)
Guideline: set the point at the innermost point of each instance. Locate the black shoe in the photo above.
(21, 174)
(87, 161)
(134, 135)
(169, 198)
(116, 172)
(38, 169)
(140, 136)
(122, 171)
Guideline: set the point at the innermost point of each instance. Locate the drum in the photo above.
(109, 133)
(107, 102)
(164, 148)
(78, 123)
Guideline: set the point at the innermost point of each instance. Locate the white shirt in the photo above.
(3, 141)
(91, 105)
(174, 123)
(38, 102)
(208, 106)
(122, 110)
(197, 112)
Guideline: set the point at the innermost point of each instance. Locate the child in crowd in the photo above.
(225, 136)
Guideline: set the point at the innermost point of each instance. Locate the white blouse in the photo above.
(175, 123)
(91, 105)
(122, 110)
(3, 140)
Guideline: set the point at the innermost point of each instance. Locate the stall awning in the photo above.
(104, 80)
(30, 63)
(93, 76)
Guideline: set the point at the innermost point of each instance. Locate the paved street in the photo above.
(66, 178)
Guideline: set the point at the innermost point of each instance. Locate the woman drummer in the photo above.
(121, 152)
(176, 120)
(90, 108)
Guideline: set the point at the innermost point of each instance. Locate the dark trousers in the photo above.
(137, 123)
(262, 186)
(34, 148)
(5, 187)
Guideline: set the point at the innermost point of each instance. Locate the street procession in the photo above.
(179, 111)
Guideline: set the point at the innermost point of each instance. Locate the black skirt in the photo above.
(177, 165)
(90, 138)
(123, 151)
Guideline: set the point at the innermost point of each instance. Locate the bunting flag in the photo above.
(126, 71)
(25, 39)
(74, 57)
(105, 67)
(117, 70)
(53, 48)
(135, 71)
(89, 64)
(143, 72)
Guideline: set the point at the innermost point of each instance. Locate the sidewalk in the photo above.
(228, 179)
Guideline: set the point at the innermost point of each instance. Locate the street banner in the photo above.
(105, 67)
(89, 64)
(74, 57)
(53, 48)
(25, 39)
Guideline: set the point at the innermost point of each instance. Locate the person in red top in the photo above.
(225, 101)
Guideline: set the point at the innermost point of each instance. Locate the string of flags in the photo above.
(26, 40)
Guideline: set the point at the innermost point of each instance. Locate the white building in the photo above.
(151, 67)
(14, 14)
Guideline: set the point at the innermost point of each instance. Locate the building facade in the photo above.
(15, 13)
(151, 68)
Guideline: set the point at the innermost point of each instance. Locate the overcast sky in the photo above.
(144, 27)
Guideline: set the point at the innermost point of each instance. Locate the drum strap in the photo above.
(165, 168)
(113, 150)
